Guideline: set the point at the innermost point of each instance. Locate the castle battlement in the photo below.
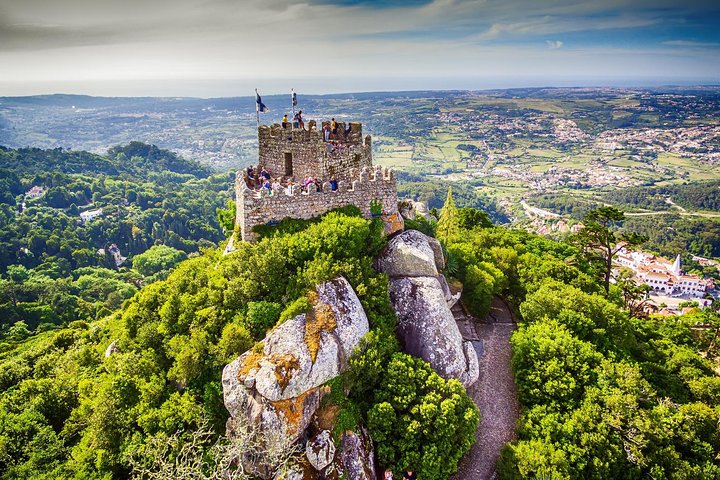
(348, 134)
(291, 154)
(297, 152)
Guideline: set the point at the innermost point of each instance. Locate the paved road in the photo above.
(537, 212)
(495, 395)
(666, 212)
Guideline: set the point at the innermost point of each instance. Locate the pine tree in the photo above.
(448, 225)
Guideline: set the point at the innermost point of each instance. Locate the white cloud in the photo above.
(548, 25)
(690, 43)
(226, 40)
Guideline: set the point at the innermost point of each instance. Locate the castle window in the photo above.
(356, 159)
(288, 164)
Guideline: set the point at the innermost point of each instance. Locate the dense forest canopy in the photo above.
(56, 267)
(605, 395)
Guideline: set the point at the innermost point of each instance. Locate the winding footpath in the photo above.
(494, 393)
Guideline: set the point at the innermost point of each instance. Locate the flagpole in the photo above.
(292, 96)
(257, 109)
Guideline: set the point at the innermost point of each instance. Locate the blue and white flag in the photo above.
(259, 105)
(294, 99)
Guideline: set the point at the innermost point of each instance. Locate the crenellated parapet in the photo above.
(288, 152)
(362, 188)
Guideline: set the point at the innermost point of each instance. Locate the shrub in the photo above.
(420, 420)
(261, 316)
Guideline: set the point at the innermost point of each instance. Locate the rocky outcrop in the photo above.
(278, 387)
(410, 210)
(320, 450)
(358, 461)
(411, 254)
(427, 328)
(422, 301)
(393, 223)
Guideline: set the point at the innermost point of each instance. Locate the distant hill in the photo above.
(137, 158)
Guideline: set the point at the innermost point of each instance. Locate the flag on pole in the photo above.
(259, 105)
(294, 99)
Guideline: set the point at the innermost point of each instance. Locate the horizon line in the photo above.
(410, 90)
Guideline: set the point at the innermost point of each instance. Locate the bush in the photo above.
(420, 420)
(156, 259)
(421, 224)
(261, 316)
(481, 283)
(551, 366)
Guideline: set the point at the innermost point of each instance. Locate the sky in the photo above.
(212, 48)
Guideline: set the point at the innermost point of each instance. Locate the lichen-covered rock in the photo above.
(447, 291)
(278, 388)
(393, 223)
(410, 210)
(357, 456)
(427, 328)
(320, 450)
(291, 473)
(445, 288)
(437, 250)
(411, 254)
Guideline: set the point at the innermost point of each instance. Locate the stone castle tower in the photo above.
(290, 154)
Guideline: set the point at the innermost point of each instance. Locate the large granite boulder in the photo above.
(422, 299)
(410, 210)
(277, 387)
(358, 460)
(411, 254)
(427, 328)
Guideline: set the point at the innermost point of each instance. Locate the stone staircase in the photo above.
(467, 325)
(465, 322)
(473, 329)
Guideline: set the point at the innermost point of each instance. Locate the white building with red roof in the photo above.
(661, 275)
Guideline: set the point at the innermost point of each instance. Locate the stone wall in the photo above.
(258, 207)
(309, 154)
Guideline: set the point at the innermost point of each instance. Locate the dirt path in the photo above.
(669, 201)
(494, 393)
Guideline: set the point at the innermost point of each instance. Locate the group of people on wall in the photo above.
(262, 180)
(297, 122)
(330, 130)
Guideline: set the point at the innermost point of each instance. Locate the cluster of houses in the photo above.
(37, 191)
(663, 276)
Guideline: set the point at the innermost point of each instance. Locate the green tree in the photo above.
(226, 217)
(18, 331)
(156, 259)
(551, 365)
(469, 218)
(634, 295)
(448, 225)
(601, 243)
